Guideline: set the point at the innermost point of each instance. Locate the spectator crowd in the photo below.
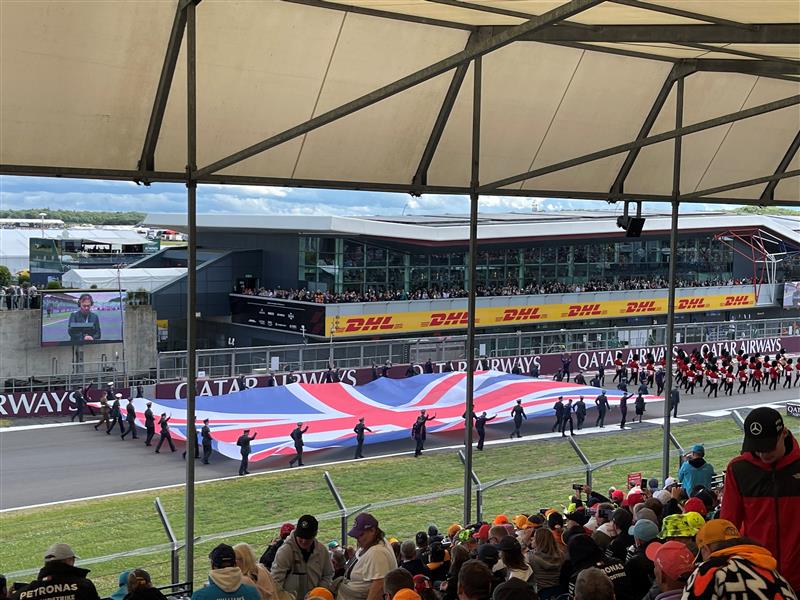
(681, 538)
(438, 293)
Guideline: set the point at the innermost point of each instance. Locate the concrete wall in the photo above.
(21, 355)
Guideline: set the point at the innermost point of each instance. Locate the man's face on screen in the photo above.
(86, 305)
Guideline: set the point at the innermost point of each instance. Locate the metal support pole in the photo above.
(479, 498)
(673, 260)
(737, 417)
(191, 278)
(340, 503)
(473, 258)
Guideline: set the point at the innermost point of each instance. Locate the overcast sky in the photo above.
(74, 194)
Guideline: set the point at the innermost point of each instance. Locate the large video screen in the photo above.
(80, 318)
(791, 294)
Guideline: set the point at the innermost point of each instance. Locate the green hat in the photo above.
(679, 526)
(333, 544)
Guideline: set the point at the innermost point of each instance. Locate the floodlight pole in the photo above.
(473, 258)
(191, 279)
(673, 261)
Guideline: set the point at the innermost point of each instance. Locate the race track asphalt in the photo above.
(70, 462)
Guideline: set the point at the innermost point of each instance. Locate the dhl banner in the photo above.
(498, 316)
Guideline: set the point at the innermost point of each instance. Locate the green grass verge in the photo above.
(107, 526)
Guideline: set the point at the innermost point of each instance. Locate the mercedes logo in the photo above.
(755, 428)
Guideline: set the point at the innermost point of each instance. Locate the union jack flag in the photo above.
(389, 407)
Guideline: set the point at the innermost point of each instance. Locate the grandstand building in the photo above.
(373, 277)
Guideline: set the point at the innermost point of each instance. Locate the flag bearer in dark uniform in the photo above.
(196, 444)
(518, 413)
(297, 436)
(244, 444)
(580, 412)
(149, 424)
(419, 431)
(602, 406)
(480, 427)
(116, 415)
(205, 434)
(559, 408)
(567, 418)
(104, 413)
(130, 418)
(360, 428)
(163, 424)
(80, 405)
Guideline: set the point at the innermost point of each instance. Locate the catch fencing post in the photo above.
(590, 468)
(345, 514)
(174, 558)
(678, 446)
(479, 488)
(736, 415)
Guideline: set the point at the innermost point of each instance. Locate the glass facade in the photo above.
(340, 265)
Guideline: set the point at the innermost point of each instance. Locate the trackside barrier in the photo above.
(338, 514)
(176, 546)
(479, 488)
(738, 419)
(345, 514)
(587, 463)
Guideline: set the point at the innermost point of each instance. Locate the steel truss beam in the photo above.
(743, 53)
(748, 67)
(677, 12)
(769, 191)
(147, 160)
(383, 14)
(742, 184)
(370, 186)
(439, 68)
(494, 187)
(421, 175)
(767, 33)
(678, 71)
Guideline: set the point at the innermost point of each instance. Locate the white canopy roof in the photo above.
(127, 279)
(80, 94)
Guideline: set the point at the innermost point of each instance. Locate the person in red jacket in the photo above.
(758, 375)
(787, 373)
(762, 490)
(743, 377)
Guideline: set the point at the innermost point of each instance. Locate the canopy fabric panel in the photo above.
(131, 279)
(79, 81)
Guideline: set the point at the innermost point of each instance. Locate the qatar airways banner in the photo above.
(548, 364)
(388, 406)
(45, 403)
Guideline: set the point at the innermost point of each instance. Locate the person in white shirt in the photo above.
(363, 578)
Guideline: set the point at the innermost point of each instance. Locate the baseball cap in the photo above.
(761, 430)
(673, 558)
(117, 395)
(483, 532)
(580, 515)
(644, 530)
(406, 594)
(422, 582)
(487, 553)
(695, 505)
(59, 552)
(663, 496)
(320, 592)
(717, 530)
(333, 544)
(699, 449)
(646, 514)
(422, 538)
(618, 496)
(222, 556)
(307, 527)
(363, 522)
(286, 529)
(669, 482)
(453, 530)
(500, 520)
(508, 544)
